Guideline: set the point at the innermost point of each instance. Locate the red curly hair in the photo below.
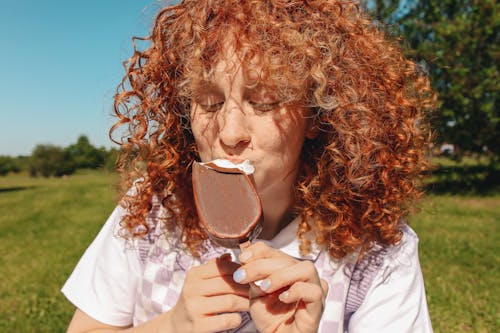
(359, 176)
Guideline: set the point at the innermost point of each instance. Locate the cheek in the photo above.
(289, 129)
(204, 133)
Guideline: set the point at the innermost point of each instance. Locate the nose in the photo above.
(233, 127)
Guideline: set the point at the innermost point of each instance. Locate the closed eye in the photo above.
(213, 107)
(264, 107)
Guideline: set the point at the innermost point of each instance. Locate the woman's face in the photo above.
(231, 121)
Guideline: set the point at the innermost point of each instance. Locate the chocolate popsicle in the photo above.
(228, 205)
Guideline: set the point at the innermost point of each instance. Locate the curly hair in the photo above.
(359, 177)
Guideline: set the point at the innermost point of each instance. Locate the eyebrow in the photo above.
(204, 88)
(208, 87)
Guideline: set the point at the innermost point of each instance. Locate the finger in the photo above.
(221, 304)
(324, 286)
(255, 291)
(260, 269)
(309, 293)
(258, 250)
(303, 271)
(220, 286)
(213, 268)
(217, 323)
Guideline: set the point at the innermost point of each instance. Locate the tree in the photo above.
(458, 42)
(85, 155)
(50, 160)
(7, 164)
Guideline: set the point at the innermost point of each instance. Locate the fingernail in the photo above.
(283, 295)
(265, 284)
(258, 283)
(244, 256)
(239, 275)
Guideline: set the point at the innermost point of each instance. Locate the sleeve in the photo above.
(396, 300)
(104, 282)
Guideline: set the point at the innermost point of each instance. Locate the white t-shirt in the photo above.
(107, 278)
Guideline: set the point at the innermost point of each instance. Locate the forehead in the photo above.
(232, 62)
(230, 69)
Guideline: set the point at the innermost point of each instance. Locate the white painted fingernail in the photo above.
(239, 275)
(265, 284)
(284, 295)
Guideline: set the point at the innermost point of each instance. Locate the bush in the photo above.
(9, 164)
(85, 155)
(50, 160)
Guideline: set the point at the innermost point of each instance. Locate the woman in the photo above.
(331, 115)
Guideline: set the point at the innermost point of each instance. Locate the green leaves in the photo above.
(459, 42)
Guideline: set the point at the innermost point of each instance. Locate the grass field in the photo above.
(46, 224)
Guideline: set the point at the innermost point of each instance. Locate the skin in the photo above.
(232, 121)
(291, 295)
(208, 289)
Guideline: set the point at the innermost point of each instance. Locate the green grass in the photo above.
(459, 254)
(46, 224)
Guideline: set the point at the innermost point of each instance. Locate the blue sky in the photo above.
(60, 62)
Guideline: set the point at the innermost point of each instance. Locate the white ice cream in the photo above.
(245, 166)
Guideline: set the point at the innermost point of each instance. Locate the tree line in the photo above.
(48, 160)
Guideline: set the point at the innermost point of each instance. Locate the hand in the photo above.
(291, 296)
(210, 299)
